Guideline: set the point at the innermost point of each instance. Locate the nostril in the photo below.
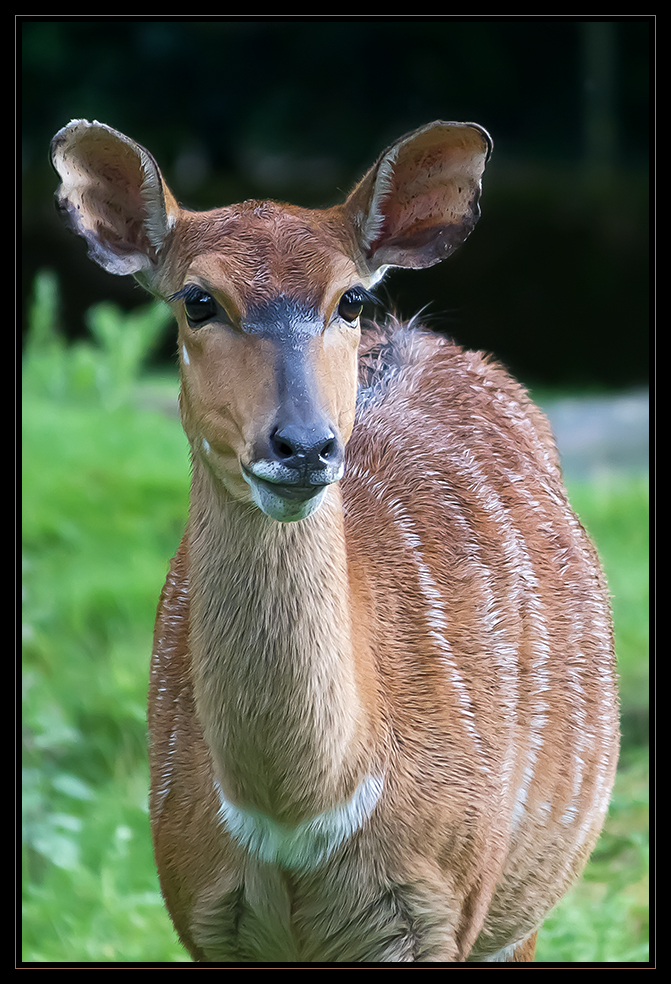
(281, 446)
(328, 450)
(304, 447)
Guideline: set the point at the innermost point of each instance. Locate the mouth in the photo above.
(285, 501)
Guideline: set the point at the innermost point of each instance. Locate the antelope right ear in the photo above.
(113, 195)
(421, 198)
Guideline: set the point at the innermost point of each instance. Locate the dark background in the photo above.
(555, 278)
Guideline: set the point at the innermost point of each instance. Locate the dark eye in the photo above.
(199, 306)
(351, 304)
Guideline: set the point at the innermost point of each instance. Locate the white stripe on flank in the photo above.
(530, 605)
(309, 844)
(532, 609)
(435, 612)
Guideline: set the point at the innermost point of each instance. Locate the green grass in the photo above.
(605, 917)
(105, 487)
(105, 491)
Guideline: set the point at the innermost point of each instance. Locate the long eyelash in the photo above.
(365, 296)
(185, 292)
(179, 295)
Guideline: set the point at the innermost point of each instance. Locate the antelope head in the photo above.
(268, 297)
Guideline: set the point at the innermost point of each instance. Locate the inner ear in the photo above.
(420, 200)
(113, 195)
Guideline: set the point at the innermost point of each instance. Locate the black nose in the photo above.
(306, 449)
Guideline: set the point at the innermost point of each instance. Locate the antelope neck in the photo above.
(273, 664)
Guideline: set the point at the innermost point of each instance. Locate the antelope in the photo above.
(382, 705)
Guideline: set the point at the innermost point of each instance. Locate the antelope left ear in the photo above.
(421, 199)
(113, 195)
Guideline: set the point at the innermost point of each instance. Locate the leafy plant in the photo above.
(107, 367)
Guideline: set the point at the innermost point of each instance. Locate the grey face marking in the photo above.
(291, 326)
(283, 319)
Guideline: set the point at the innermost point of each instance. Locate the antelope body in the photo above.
(382, 710)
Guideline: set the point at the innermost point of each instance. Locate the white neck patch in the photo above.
(309, 844)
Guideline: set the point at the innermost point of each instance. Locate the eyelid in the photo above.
(222, 316)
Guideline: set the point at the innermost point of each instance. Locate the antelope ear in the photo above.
(113, 195)
(421, 199)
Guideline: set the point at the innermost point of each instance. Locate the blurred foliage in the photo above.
(108, 365)
(556, 279)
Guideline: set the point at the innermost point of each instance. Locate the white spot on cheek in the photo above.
(185, 356)
(206, 446)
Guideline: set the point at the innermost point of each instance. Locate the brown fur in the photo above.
(436, 634)
(435, 764)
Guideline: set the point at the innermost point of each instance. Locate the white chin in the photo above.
(282, 509)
